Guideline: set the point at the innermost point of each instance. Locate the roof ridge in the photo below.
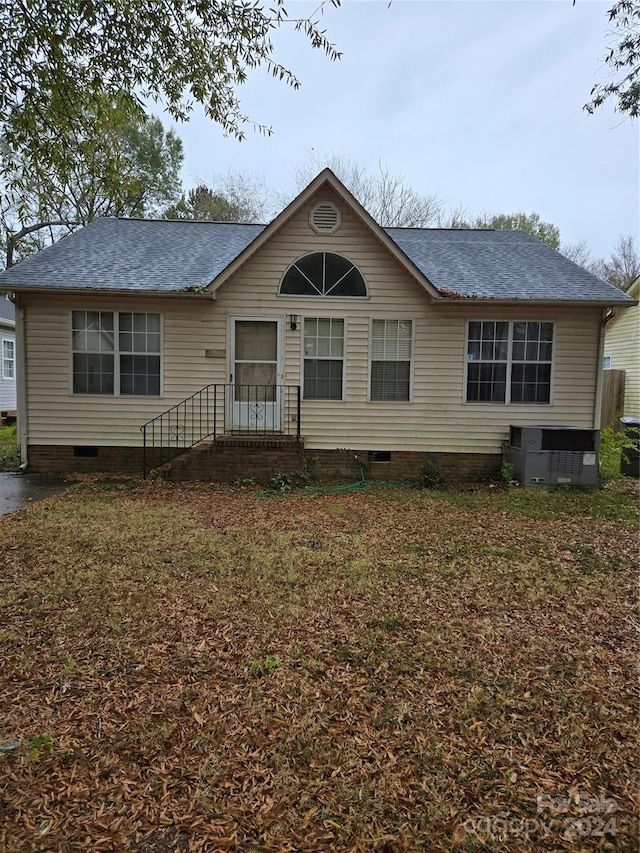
(183, 221)
(426, 228)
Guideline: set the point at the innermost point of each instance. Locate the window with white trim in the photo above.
(391, 344)
(509, 362)
(323, 342)
(607, 361)
(116, 353)
(8, 359)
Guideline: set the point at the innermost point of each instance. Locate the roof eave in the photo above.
(583, 303)
(105, 291)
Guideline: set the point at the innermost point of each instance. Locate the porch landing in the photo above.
(248, 439)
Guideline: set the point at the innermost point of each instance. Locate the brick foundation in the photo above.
(53, 459)
(336, 466)
(233, 458)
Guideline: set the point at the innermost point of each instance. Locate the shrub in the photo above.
(431, 473)
(611, 446)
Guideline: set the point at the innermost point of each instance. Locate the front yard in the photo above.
(386, 669)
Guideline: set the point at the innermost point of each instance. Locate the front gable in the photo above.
(356, 236)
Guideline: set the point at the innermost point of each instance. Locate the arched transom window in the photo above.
(323, 274)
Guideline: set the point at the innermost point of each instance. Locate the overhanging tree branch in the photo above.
(623, 60)
(13, 239)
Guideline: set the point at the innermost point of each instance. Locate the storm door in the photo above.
(256, 394)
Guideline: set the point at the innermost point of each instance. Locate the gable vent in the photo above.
(324, 218)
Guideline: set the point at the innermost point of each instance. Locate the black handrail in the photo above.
(219, 409)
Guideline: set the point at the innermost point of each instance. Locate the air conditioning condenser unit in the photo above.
(553, 455)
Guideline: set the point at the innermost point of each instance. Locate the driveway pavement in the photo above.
(19, 490)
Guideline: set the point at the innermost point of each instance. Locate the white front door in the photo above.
(256, 392)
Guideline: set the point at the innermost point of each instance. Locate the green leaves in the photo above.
(623, 60)
(60, 60)
(532, 223)
(75, 78)
(204, 203)
(40, 743)
(119, 165)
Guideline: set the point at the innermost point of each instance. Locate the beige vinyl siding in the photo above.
(56, 416)
(436, 418)
(622, 343)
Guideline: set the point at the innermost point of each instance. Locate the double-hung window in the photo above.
(391, 342)
(139, 348)
(323, 341)
(8, 359)
(509, 362)
(116, 353)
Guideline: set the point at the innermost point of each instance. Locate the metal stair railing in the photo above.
(251, 409)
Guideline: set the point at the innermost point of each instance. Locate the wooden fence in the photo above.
(612, 397)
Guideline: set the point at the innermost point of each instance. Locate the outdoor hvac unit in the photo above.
(553, 455)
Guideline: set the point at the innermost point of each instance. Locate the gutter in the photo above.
(95, 291)
(524, 303)
(21, 383)
(597, 406)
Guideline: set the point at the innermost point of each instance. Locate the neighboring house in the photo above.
(320, 331)
(8, 354)
(622, 350)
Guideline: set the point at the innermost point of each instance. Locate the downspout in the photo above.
(21, 383)
(598, 402)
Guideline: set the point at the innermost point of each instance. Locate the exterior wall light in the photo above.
(293, 322)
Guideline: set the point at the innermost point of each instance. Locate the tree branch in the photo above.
(12, 239)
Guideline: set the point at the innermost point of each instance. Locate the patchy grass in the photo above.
(393, 670)
(9, 449)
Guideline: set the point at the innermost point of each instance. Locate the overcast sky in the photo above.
(479, 101)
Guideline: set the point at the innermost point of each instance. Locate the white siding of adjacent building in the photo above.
(7, 383)
(195, 336)
(622, 344)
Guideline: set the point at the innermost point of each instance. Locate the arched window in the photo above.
(323, 274)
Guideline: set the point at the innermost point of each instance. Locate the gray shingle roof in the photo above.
(499, 265)
(7, 311)
(171, 256)
(135, 254)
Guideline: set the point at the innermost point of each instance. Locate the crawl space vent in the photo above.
(324, 218)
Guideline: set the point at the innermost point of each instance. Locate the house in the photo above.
(8, 371)
(320, 337)
(622, 349)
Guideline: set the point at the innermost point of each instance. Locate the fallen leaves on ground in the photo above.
(199, 669)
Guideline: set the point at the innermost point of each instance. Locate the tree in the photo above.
(578, 253)
(121, 168)
(235, 197)
(383, 193)
(547, 232)
(623, 59)
(203, 203)
(60, 62)
(623, 266)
